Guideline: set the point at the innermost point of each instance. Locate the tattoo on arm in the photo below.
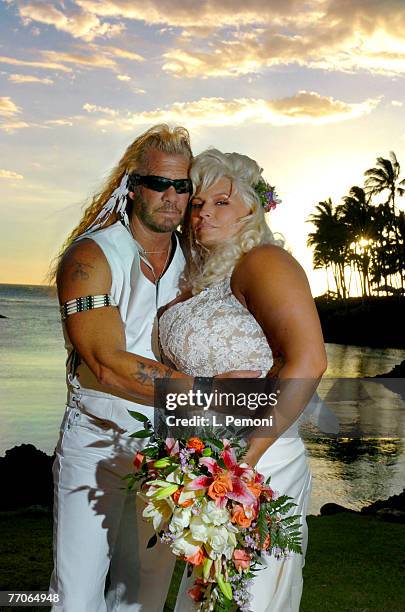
(278, 363)
(80, 270)
(146, 374)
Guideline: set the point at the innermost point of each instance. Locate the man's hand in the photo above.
(240, 374)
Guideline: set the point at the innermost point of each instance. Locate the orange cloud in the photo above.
(78, 24)
(302, 108)
(34, 64)
(8, 108)
(27, 78)
(10, 175)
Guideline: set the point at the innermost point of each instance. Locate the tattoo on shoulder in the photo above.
(81, 270)
(146, 374)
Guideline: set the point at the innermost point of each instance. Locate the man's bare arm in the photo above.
(98, 335)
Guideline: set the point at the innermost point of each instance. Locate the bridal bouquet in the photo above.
(218, 515)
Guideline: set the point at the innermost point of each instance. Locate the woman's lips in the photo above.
(201, 226)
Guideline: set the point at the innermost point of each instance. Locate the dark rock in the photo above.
(395, 502)
(26, 478)
(329, 509)
(398, 371)
(3, 317)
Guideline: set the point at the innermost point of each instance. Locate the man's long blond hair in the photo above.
(160, 138)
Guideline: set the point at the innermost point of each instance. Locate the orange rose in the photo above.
(197, 558)
(255, 488)
(196, 443)
(196, 593)
(221, 485)
(138, 460)
(175, 498)
(240, 517)
(241, 559)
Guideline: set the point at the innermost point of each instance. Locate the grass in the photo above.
(354, 563)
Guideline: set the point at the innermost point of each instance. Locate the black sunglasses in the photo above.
(160, 183)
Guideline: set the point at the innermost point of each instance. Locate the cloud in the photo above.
(59, 122)
(27, 78)
(89, 56)
(34, 64)
(329, 45)
(92, 108)
(8, 108)
(122, 53)
(316, 34)
(94, 59)
(78, 24)
(123, 77)
(302, 108)
(10, 175)
(397, 103)
(12, 126)
(206, 13)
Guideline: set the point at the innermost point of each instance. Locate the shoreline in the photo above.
(376, 322)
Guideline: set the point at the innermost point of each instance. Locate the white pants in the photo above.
(98, 526)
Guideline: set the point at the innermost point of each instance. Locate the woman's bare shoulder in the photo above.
(265, 259)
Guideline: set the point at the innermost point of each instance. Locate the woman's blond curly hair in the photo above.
(159, 137)
(208, 267)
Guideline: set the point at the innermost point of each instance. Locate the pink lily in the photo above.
(239, 492)
(172, 446)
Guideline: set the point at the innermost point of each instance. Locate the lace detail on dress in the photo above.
(212, 332)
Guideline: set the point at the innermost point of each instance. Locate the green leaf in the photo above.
(165, 492)
(216, 443)
(152, 541)
(162, 463)
(225, 587)
(138, 416)
(143, 433)
(150, 452)
(159, 483)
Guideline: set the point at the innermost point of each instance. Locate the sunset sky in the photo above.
(314, 91)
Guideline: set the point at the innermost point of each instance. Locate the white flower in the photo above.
(159, 512)
(175, 476)
(198, 528)
(180, 520)
(212, 514)
(222, 541)
(218, 538)
(185, 545)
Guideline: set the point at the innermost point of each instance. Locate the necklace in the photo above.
(142, 254)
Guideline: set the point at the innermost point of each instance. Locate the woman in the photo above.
(249, 306)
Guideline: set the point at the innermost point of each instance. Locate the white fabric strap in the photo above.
(85, 303)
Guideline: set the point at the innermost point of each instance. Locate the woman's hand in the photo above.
(256, 450)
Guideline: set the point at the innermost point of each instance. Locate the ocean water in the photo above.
(33, 395)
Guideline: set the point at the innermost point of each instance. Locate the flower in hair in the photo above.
(267, 195)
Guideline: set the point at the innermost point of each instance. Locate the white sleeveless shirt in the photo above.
(138, 300)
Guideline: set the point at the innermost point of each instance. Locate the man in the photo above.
(121, 264)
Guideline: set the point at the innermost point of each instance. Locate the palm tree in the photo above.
(385, 177)
(329, 243)
(357, 215)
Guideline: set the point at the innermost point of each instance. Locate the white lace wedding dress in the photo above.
(211, 333)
